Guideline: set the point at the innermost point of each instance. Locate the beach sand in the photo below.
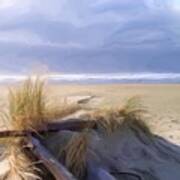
(161, 100)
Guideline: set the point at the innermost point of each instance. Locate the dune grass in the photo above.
(110, 120)
(75, 154)
(27, 105)
(29, 109)
(21, 167)
(131, 113)
(25, 112)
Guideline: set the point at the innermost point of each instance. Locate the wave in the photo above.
(100, 77)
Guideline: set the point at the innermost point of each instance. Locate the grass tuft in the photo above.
(27, 105)
(21, 167)
(75, 154)
(29, 109)
(132, 114)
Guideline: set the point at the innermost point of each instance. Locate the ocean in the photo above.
(101, 78)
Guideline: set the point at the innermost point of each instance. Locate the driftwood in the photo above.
(41, 153)
(48, 160)
(72, 125)
(85, 100)
(131, 174)
(157, 159)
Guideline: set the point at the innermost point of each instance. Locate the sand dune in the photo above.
(129, 153)
(162, 102)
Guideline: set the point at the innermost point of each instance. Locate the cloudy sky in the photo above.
(90, 36)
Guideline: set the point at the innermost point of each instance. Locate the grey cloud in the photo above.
(91, 60)
(154, 30)
(112, 35)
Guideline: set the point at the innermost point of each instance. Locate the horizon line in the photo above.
(93, 76)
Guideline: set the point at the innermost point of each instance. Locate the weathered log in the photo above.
(48, 160)
(131, 174)
(72, 125)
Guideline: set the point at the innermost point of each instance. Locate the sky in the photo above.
(85, 36)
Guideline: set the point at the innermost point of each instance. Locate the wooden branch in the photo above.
(133, 174)
(48, 160)
(72, 125)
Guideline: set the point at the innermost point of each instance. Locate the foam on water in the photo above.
(100, 77)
